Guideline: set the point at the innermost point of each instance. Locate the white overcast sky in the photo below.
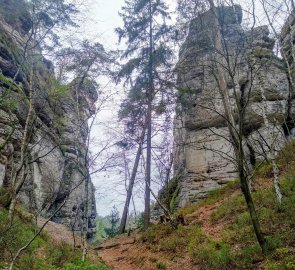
(102, 19)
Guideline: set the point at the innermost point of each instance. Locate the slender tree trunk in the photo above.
(272, 152)
(235, 134)
(149, 125)
(164, 208)
(85, 218)
(251, 208)
(131, 183)
(147, 209)
(21, 170)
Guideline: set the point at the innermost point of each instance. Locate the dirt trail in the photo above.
(203, 214)
(122, 254)
(127, 253)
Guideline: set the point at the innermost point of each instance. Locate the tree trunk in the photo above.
(85, 218)
(22, 168)
(272, 151)
(252, 211)
(147, 209)
(149, 125)
(235, 134)
(131, 183)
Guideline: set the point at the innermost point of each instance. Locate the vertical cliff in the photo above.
(57, 152)
(203, 150)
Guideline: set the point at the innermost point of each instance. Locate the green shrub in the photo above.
(61, 253)
(213, 255)
(161, 266)
(286, 156)
(270, 265)
(265, 170)
(246, 257)
(156, 232)
(180, 239)
(229, 208)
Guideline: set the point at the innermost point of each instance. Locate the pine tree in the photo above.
(148, 57)
(113, 218)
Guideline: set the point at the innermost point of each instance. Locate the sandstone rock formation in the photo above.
(58, 147)
(203, 152)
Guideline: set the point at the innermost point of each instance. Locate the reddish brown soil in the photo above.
(137, 256)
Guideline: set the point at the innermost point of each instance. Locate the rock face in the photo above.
(203, 151)
(57, 149)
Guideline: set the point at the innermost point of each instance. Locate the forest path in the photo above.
(203, 215)
(130, 253)
(127, 253)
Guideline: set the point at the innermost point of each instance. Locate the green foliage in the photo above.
(286, 157)
(114, 219)
(161, 266)
(264, 170)
(213, 255)
(156, 232)
(265, 53)
(58, 256)
(8, 101)
(229, 208)
(176, 241)
(86, 61)
(213, 196)
(246, 257)
(15, 236)
(57, 90)
(4, 195)
(140, 221)
(169, 195)
(237, 246)
(100, 229)
(147, 63)
(8, 83)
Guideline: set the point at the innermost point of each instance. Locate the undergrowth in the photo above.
(236, 246)
(42, 253)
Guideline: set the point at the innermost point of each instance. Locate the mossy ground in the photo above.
(236, 246)
(43, 253)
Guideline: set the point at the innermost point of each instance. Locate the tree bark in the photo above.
(251, 208)
(85, 218)
(235, 134)
(22, 168)
(272, 151)
(149, 125)
(131, 183)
